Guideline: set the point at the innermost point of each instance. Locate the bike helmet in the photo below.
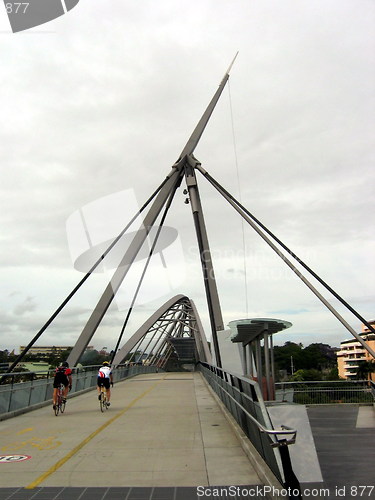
(105, 363)
(65, 364)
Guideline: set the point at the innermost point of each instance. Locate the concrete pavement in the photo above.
(162, 429)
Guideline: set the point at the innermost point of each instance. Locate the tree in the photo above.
(57, 356)
(283, 356)
(4, 356)
(92, 357)
(292, 357)
(319, 357)
(364, 370)
(304, 375)
(333, 374)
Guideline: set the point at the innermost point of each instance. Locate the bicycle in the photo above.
(61, 402)
(104, 403)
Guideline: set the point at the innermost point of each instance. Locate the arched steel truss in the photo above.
(174, 328)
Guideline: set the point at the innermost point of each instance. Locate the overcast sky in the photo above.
(102, 100)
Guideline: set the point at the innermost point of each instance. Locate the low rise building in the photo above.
(45, 351)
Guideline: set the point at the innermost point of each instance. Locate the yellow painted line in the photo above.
(69, 455)
(23, 431)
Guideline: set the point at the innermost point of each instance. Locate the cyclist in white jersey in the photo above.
(105, 378)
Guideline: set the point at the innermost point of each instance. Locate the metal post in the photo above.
(244, 359)
(251, 360)
(267, 363)
(259, 366)
(248, 364)
(272, 363)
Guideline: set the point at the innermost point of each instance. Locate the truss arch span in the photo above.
(175, 329)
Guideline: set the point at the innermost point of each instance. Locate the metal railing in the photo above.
(330, 392)
(243, 399)
(26, 390)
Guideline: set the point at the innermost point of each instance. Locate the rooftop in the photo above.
(246, 330)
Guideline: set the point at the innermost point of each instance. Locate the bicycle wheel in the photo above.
(106, 400)
(60, 405)
(102, 401)
(57, 405)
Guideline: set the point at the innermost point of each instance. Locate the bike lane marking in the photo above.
(77, 448)
(37, 442)
(7, 459)
(23, 431)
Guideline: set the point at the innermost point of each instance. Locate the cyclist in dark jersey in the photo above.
(63, 375)
(105, 378)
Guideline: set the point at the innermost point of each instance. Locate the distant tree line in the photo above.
(315, 362)
(90, 357)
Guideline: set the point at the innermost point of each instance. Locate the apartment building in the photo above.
(351, 352)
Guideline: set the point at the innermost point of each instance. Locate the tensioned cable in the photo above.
(82, 281)
(162, 220)
(238, 206)
(240, 196)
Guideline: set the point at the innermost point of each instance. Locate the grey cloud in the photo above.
(28, 305)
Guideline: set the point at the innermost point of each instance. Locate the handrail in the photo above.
(277, 440)
(322, 382)
(49, 373)
(325, 391)
(284, 428)
(19, 397)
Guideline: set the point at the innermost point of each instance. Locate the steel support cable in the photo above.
(148, 344)
(301, 262)
(164, 335)
(160, 347)
(81, 282)
(254, 223)
(240, 197)
(157, 349)
(136, 348)
(162, 220)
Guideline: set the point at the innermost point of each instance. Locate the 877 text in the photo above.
(16, 7)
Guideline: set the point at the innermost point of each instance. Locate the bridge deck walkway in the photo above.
(162, 429)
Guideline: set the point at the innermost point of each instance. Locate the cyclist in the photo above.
(105, 378)
(63, 375)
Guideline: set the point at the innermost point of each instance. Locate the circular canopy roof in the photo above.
(247, 330)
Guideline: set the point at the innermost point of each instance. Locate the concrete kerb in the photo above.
(260, 466)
